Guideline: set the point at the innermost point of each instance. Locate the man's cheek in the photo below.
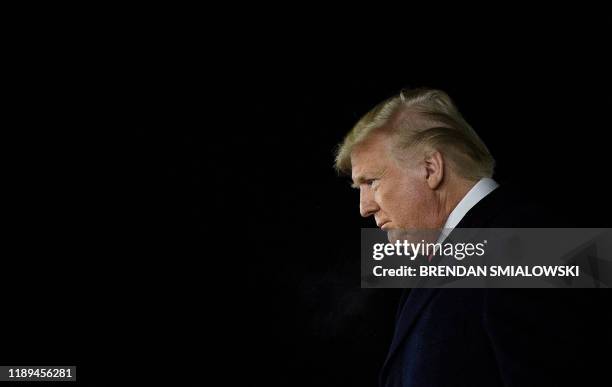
(383, 196)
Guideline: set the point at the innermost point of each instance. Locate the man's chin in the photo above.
(412, 235)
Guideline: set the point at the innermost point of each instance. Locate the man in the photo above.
(419, 165)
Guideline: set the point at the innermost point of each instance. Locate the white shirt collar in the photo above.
(481, 189)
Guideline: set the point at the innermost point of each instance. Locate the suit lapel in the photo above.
(410, 311)
(418, 298)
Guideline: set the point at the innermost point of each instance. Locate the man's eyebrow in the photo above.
(360, 180)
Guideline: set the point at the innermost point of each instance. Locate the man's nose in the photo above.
(367, 205)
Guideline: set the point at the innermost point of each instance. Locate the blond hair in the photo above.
(420, 118)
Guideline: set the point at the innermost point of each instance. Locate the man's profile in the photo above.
(419, 165)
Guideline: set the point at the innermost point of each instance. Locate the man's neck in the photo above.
(455, 193)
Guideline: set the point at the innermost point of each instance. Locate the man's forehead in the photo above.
(363, 168)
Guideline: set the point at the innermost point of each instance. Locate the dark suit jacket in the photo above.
(500, 337)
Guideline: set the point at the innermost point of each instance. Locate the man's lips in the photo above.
(381, 225)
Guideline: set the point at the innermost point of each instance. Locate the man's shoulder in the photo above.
(512, 205)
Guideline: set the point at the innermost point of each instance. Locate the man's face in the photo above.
(395, 192)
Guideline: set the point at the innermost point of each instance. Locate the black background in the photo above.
(288, 226)
(178, 215)
(298, 316)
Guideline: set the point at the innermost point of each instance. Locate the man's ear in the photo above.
(434, 169)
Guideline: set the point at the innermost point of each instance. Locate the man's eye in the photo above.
(370, 182)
